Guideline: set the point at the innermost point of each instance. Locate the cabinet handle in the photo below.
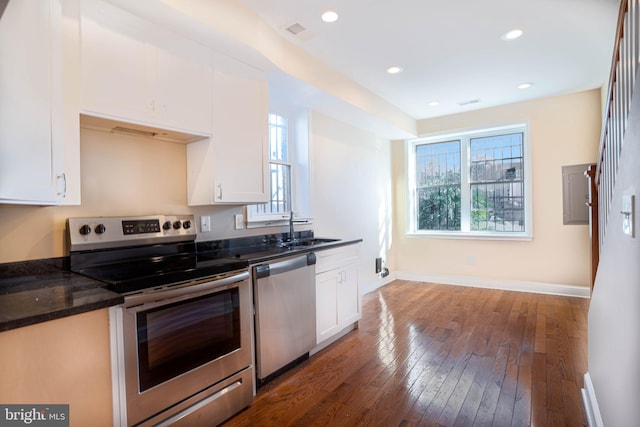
(219, 191)
(342, 277)
(62, 177)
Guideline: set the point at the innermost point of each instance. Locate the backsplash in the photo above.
(121, 175)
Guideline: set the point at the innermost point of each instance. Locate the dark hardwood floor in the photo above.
(437, 355)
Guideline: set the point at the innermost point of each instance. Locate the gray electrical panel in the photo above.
(575, 195)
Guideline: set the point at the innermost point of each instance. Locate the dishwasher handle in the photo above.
(266, 270)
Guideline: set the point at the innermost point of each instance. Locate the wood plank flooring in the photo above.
(436, 355)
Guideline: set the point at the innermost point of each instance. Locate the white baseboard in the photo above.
(326, 343)
(591, 409)
(478, 282)
(375, 284)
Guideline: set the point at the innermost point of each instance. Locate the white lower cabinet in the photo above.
(338, 302)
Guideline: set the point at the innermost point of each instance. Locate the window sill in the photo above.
(470, 236)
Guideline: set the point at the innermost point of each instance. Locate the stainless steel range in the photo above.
(182, 342)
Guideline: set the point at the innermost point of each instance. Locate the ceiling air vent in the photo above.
(295, 29)
(471, 101)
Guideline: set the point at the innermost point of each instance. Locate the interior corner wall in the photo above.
(563, 130)
(351, 189)
(614, 311)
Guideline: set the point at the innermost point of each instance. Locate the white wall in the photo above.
(563, 130)
(351, 193)
(614, 312)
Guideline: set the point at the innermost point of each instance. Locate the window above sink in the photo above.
(289, 170)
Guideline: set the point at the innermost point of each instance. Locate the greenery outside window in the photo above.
(470, 184)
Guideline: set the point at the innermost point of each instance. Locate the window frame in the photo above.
(298, 162)
(465, 137)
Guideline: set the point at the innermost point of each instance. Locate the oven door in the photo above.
(179, 342)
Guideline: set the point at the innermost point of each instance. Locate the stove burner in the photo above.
(137, 253)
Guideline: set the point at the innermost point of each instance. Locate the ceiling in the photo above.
(452, 51)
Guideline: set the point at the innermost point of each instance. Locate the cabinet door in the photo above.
(326, 305)
(240, 114)
(183, 84)
(26, 173)
(348, 295)
(66, 102)
(116, 63)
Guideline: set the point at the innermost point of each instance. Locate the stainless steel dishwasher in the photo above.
(285, 304)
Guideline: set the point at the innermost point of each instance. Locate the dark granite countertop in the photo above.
(41, 290)
(258, 249)
(37, 291)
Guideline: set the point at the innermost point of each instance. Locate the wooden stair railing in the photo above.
(590, 173)
(622, 77)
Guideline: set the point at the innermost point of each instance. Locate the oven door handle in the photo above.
(145, 301)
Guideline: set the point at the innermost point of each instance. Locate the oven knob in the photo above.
(100, 228)
(166, 225)
(186, 225)
(177, 225)
(85, 229)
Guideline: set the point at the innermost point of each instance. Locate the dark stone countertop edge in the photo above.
(34, 319)
(38, 291)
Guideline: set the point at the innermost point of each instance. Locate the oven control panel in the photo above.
(109, 232)
(142, 226)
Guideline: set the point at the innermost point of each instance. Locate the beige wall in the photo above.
(120, 176)
(563, 130)
(124, 175)
(65, 361)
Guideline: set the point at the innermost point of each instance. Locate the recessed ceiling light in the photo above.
(394, 70)
(434, 104)
(525, 85)
(330, 16)
(511, 35)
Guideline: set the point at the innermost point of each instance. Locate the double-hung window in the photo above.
(279, 205)
(279, 167)
(288, 171)
(470, 184)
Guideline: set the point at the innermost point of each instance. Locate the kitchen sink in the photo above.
(307, 242)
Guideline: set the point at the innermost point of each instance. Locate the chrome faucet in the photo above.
(291, 239)
(291, 230)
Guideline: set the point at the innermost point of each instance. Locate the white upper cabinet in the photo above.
(135, 71)
(39, 146)
(232, 167)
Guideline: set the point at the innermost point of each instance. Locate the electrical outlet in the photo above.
(239, 220)
(205, 223)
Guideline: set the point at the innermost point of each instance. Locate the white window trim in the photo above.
(465, 210)
(298, 133)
